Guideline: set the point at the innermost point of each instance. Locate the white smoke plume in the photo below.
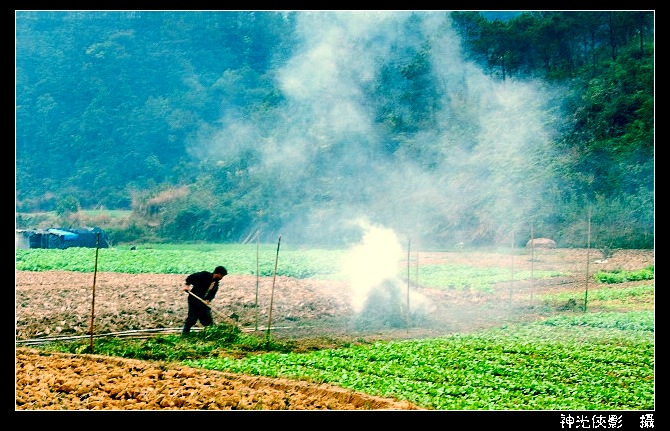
(372, 261)
(324, 145)
(376, 262)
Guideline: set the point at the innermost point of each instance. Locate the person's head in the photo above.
(220, 272)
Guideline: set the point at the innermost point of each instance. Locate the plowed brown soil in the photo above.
(60, 304)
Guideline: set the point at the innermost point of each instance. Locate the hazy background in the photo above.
(326, 135)
(444, 127)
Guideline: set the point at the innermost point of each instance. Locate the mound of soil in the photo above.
(90, 382)
(59, 304)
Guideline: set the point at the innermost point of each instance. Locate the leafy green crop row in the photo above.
(611, 298)
(621, 276)
(591, 361)
(572, 361)
(470, 277)
(238, 259)
(577, 361)
(242, 259)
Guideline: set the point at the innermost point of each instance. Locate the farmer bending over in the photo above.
(205, 285)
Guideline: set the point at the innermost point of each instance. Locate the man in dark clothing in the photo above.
(205, 285)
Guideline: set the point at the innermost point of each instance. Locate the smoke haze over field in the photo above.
(372, 261)
(484, 152)
(372, 268)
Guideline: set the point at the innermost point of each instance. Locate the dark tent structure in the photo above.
(62, 238)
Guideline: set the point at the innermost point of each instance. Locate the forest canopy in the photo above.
(448, 127)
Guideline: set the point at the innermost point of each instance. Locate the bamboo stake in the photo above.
(258, 236)
(409, 316)
(588, 249)
(95, 273)
(532, 259)
(416, 275)
(272, 294)
(511, 286)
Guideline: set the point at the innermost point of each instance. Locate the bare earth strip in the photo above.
(90, 382)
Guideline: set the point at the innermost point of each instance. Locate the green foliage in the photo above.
(610, 297)
(134, 231)
(241, 259)
(85, 129)
(224, 339)
(596, 362)
(237, 259)
(66, 206)
(185, 259)
(629, 321)
(35, 220)
(221, 333)
(585, 361)
(569, 361)
(460, 277)
(621, 276)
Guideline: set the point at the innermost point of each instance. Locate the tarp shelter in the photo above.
(61, 238)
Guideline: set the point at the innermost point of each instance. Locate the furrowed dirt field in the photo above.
(312, 312)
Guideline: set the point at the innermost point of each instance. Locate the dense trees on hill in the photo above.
(213, 125)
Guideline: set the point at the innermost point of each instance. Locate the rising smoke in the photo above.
(379, 298)
(477, 170)
(324, 147)
(372, 261)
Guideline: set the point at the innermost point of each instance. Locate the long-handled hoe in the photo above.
(218, 313)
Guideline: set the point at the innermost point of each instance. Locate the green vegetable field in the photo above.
(598, 361)
(563, 358)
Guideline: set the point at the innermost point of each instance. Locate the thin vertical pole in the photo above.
(532, 259)
(258, 236)
(272, 294)
(95, 272)
(416, 275)
(408, 278)
(511, 286)
(588, 252)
